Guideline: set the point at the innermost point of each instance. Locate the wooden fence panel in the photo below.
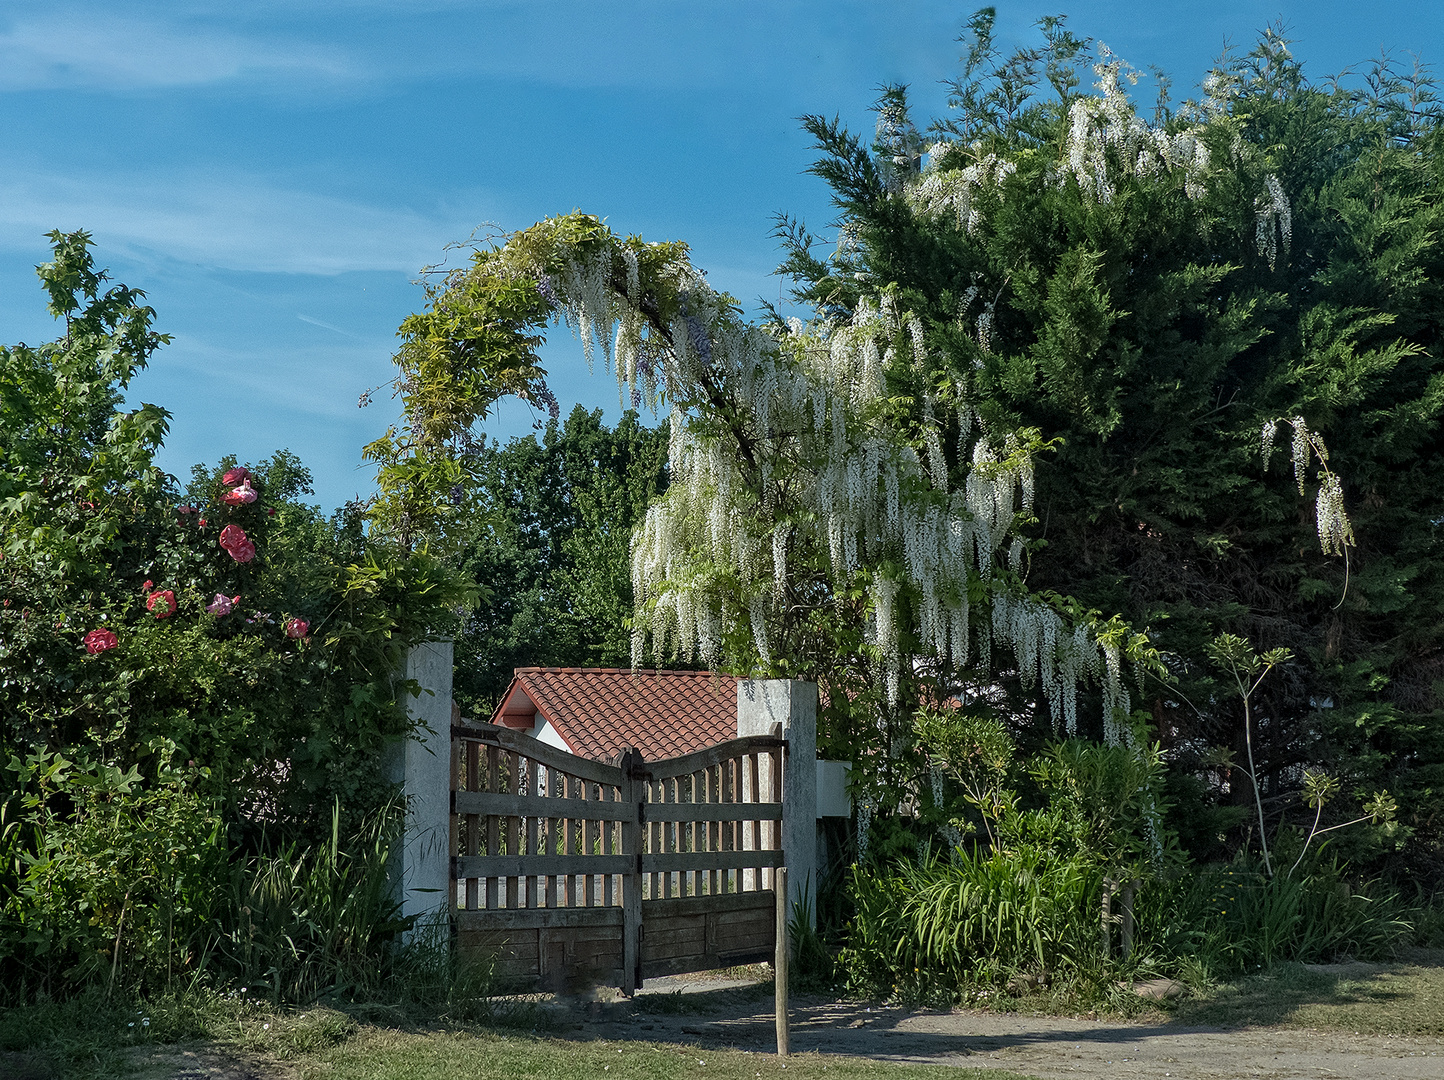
(571, 871)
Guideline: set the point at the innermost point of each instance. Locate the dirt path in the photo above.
(1046, 1047)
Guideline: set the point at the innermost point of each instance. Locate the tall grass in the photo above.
(979, 918)
(303, 921)
(1235, 918)
(984, 918)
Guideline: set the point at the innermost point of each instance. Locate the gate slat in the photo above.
(520, 866)
(673, 862)
(493, 824)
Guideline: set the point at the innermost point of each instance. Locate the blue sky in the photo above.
(275, 174)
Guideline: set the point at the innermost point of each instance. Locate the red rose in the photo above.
(296, 628)
(161, 603)
(245, 551)
(235, 476)
(148, 586)
(203, 523)
(232, 535)
(97, 641)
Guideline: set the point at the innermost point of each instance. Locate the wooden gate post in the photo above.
(779, 965)
(633, 795)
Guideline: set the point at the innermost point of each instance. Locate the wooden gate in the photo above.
(573, 872)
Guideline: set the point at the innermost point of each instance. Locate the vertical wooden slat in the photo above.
(588, 832)
(714, 828)
(473, 822)
(609, 845)
(674, 879)
(579, 884)
(513, 828)
(569, 882)
(755, 826)
(728, 836)
(533, 770)
(493, 825)
(696, 833)
(551, 836)
(775, 794)
(454, 830)
(652, 830)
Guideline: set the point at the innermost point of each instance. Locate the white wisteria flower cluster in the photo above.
(1330, 518)
(1107, 138)
(819, 463)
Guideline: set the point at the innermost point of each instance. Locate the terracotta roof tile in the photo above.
(598, 711)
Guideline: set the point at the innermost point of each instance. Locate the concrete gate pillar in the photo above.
(421, 764)
(793, 704)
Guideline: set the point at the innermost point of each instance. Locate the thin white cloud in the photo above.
(328, 326)
(232, 222)
(78, 48)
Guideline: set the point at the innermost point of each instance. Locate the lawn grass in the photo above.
(382, 1054)
(90, 1039)
(1402, 998)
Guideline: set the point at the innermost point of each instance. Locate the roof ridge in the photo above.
(518, 672)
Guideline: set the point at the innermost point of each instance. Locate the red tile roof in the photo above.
(598, 711)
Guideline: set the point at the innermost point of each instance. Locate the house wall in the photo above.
(542, 731)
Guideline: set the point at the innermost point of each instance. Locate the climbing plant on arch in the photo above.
(835, 511)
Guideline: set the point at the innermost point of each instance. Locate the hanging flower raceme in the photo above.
(99, 641)
(161, 603)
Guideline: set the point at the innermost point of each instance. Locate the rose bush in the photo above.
(280, 727)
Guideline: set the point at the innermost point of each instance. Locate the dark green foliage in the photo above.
(554, 555)
(1152, 338)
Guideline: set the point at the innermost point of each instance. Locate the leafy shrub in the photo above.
(109, 877)
(190, 679)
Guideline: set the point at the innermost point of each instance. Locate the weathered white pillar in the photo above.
(793, 704)
(421, 764)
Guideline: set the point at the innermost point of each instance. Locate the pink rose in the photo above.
(232, 535)
(185, 509)
(296, 628)
(98, 641)
(235, 476)
(161, 603)
(243, 494)
(148, 586)
(221, 605)
(245, 551)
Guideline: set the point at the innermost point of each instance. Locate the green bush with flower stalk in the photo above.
(190, 676)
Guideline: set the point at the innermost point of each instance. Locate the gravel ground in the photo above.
(1044, 1046)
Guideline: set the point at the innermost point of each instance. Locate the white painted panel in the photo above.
(832, 797)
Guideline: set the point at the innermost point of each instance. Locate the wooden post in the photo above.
(1127, 929)
(1105, 922)
(633, 793)
(779, 963)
